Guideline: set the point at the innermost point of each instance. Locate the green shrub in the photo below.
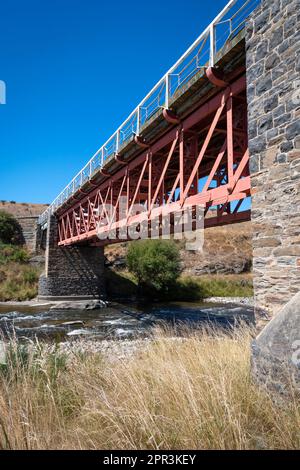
(30, 276)
(154, 263)
(13, 253)
(10, 229)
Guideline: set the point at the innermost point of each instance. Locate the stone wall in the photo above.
(273, 81)
(71, 272)
(29, 231)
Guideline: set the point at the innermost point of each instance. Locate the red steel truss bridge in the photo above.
(185, 145)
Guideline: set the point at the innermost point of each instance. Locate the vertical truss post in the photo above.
(111, 193)
(229, 141)
(181, 165)
(195, 152)
(219, 180)
(127, 192)
(149, 183)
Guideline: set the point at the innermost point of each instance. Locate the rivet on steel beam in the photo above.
(140, 141)
(104, 172)
(83, 192)
(120, 159)
(93, 184)
(216, 77)
(170, 116)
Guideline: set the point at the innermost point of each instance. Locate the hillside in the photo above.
(227, 250)
(22, 209)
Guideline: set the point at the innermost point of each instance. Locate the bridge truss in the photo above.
(201, 160)
(204, 52)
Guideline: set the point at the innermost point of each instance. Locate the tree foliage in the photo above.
(10, 229)
(154, 263)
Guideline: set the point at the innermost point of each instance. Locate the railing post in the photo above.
(212, 45)
(167, 98)
(102, 156)
(138, 121)
(118, 141)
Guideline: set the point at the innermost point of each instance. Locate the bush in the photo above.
(9, 253)
(154, 263)
(10, 229)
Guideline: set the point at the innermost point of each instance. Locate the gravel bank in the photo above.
(231, 300)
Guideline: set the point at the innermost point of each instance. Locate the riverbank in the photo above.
(95, 304)
(189, 393)
(121, 284)
(19, 282)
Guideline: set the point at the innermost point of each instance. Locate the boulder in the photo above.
(73, 323)
(275, 359)
(79, 305)
(2, 353)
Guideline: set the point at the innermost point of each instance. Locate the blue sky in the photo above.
(74, 70)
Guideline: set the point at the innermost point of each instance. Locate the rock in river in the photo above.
(79, 305)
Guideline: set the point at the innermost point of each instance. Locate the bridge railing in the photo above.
(199, 55)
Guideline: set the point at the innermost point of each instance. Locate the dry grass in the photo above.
(21, 209)
(191, 393)
(18, 281)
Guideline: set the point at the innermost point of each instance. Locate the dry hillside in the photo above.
(226, 250)
(22, 209)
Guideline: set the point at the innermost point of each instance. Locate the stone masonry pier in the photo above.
(75, 272)
(273, 89)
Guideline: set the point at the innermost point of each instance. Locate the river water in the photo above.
(117, 321)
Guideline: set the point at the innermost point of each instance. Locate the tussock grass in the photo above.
(18, 282)
(12, 253)
(193, 392)
(219, 285)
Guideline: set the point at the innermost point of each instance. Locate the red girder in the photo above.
(209, 145)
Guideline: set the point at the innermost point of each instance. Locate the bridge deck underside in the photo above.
(201, 160)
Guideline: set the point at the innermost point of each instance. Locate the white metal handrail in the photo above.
(227, 23)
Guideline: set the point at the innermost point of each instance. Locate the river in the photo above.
(117, 321)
